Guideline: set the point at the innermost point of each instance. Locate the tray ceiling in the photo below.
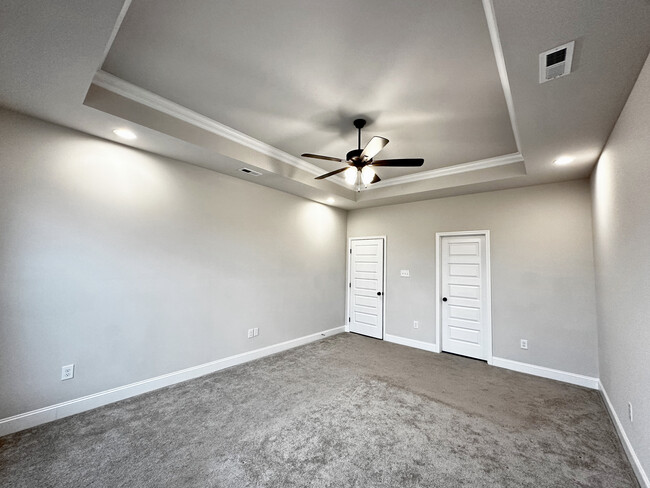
(295, 74)
(226, 84)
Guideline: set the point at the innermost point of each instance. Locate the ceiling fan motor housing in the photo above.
(353, 156)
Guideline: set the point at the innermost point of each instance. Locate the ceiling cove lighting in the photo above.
(125, 134)
(563, 160)
(330, 200)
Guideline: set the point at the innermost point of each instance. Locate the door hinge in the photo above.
(349, 285)
(350, 250)
(348, 319)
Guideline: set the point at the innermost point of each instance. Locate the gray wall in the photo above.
(621, 202)
(131, 265)
(542, 268)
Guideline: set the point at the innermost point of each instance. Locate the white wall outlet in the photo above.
(67, 372)
(256, 332)
(524, 344)
(630, 413)
(416, 324)
(405, 273)
(250, 333)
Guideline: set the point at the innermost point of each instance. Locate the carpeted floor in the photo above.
(343, 411)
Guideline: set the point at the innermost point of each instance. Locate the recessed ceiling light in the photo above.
(125, 134)
(563, 160)
(330, 200)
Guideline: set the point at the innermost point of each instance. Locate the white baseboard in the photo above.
(544, 372)
(427, 346)
(629, 450)
(53, 412)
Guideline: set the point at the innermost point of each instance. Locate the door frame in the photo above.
(348, 253)
(488, 305)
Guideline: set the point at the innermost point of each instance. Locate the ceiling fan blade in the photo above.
(373, 147)
(331, 173)
(318, 156)
(402, 163)
(375, 179)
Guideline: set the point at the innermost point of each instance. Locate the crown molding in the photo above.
(452, 170)
(491, 18)
(116, 28)
(140, 95)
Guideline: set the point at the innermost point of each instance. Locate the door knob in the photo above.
(444, 299)
(378, 293)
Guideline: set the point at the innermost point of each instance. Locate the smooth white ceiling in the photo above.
(573, 115)
(294, 76)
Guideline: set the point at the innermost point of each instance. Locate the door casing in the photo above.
(488, 305)
(349, 276)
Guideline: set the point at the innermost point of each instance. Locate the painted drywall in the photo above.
(130, 265)
(542, 269)
(621, 213)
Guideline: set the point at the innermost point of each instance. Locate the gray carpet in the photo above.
(343, 411)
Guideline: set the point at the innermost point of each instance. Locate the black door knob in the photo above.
(444, 299)
(378, 293)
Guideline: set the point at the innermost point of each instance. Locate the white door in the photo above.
(464, 287)
(366, 287)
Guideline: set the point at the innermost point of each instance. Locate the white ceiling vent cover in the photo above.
(556, 62)
(251, 172)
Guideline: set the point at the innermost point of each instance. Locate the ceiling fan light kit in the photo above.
(350, 175)
(360, 171)
(367, 175)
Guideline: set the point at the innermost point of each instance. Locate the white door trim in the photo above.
(347, 283)
(488, 322)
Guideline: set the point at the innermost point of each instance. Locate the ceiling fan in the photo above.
(360, 169)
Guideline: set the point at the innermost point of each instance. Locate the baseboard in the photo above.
(629, 450)
(427, 346)
(553, 374)
(53, 412)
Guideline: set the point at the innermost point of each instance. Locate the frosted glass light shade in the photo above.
(367, 174)
(350, 175)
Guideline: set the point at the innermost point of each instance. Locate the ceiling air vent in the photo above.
(555, 62)
(251, 172)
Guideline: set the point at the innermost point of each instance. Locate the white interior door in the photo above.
(366, 286)
(464, 292)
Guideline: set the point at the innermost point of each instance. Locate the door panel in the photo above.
(464, 285)
(366, 280)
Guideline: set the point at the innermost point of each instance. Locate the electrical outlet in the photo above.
(405, 273)
(524, 344)
(256, 332)
(67, 372)
(630, 413)
(416, 324)
(250, 333)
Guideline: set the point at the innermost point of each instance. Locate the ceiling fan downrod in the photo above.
(359, 124)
